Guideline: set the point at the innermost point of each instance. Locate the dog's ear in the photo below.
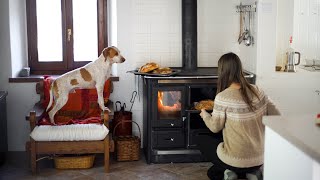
(110, 52)
(105, 53)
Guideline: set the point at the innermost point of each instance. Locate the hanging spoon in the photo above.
(248, 39)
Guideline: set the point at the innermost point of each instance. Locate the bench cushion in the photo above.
(74, 132)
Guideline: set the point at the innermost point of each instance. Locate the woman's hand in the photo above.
(203, 113)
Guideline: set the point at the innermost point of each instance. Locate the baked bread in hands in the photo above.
(205, 104)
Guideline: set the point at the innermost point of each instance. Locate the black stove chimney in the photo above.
(189, 35)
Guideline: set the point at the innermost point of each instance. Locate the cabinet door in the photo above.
(169, 106)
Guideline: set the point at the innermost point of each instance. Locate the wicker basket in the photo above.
(127, 147)
(74, 162)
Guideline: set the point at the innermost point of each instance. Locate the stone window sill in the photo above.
(37, 78)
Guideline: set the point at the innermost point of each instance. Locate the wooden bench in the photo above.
(36, 148)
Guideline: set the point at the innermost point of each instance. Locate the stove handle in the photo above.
(188, 131)
(170, 139)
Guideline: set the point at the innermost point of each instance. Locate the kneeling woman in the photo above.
(236, 145)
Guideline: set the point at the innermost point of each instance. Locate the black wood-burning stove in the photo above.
(171, 124)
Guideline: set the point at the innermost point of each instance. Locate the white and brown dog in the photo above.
(94, 74)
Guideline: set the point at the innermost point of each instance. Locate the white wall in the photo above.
(266, 41)
(156, 30)
(21, 98)
(285, 11)
(218, 31)
(18, 33)
(266, 45)
(307, 29)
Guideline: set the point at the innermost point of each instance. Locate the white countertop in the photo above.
(300, 130)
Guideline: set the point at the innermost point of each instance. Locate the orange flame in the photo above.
(161, 107)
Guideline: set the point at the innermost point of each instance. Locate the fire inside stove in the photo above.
(169, 104)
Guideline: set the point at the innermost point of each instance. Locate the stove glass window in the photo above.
(169, 104)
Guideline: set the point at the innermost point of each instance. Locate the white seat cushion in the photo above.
(74, 132)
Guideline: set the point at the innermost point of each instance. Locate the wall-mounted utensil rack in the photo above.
(247, 12)
(247, 8)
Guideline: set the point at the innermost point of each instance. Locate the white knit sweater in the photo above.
(243, 131)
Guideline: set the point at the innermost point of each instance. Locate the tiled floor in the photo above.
(17, 167)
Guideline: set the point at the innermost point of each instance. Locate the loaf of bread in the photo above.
(148, 67)
(165, 70)
(205, 104)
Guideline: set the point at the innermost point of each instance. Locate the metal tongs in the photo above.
(122, 106)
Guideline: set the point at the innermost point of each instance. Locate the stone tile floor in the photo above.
(17, 167)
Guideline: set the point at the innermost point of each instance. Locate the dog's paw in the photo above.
(52, 122)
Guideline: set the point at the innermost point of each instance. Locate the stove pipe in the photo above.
(189, 35)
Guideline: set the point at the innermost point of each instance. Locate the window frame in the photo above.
(67, 64)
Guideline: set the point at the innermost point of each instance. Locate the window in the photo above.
(65, 34)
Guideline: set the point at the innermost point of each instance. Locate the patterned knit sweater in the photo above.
(243, 131)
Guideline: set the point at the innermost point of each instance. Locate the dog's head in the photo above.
(113, 55)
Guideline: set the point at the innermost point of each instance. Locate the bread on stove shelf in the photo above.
(154, 68)
(165, 70)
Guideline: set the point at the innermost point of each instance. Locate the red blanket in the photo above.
(82, 106)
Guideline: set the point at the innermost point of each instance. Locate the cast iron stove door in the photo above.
(169, 108)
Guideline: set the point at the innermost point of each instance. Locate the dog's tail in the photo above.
(51, 97)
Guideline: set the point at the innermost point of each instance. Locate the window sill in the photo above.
(37, 78)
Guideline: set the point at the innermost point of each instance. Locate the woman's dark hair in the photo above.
(230, 71)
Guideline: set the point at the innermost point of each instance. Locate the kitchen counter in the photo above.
(292, 147)
(301, 131)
